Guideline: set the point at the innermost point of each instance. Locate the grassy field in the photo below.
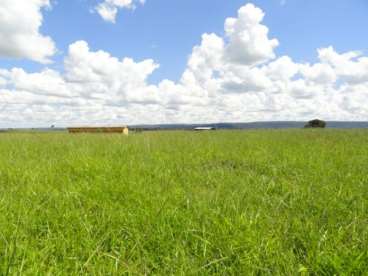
(269, 202)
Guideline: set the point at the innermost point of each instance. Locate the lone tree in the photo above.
(316, 124)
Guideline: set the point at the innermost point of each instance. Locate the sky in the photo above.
(112, 62)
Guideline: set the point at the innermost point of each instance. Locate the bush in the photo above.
(316, 124)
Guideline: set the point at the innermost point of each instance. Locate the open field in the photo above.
(228, 203)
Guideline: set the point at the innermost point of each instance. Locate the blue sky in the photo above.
(167, 30)
(73, 62)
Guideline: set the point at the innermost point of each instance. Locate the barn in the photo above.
(123, 130)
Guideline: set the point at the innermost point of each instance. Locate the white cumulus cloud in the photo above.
(108, 9)
(20, 36)
(249, 42)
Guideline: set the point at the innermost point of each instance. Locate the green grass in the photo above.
(184, 203)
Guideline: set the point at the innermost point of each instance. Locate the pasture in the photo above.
(265, 202)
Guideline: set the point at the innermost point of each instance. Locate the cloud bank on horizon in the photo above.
(237, 77)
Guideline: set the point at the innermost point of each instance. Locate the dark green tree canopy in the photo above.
(316, 124)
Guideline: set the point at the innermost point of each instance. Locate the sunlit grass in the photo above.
(226, 203)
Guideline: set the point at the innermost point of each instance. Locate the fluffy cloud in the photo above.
(237, 77)
(20, 22)
(109, 8)
(351, 66)
(249, 43)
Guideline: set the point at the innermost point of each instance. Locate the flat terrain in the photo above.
(283, 202)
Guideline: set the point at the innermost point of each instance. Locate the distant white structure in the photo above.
(204, 128)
